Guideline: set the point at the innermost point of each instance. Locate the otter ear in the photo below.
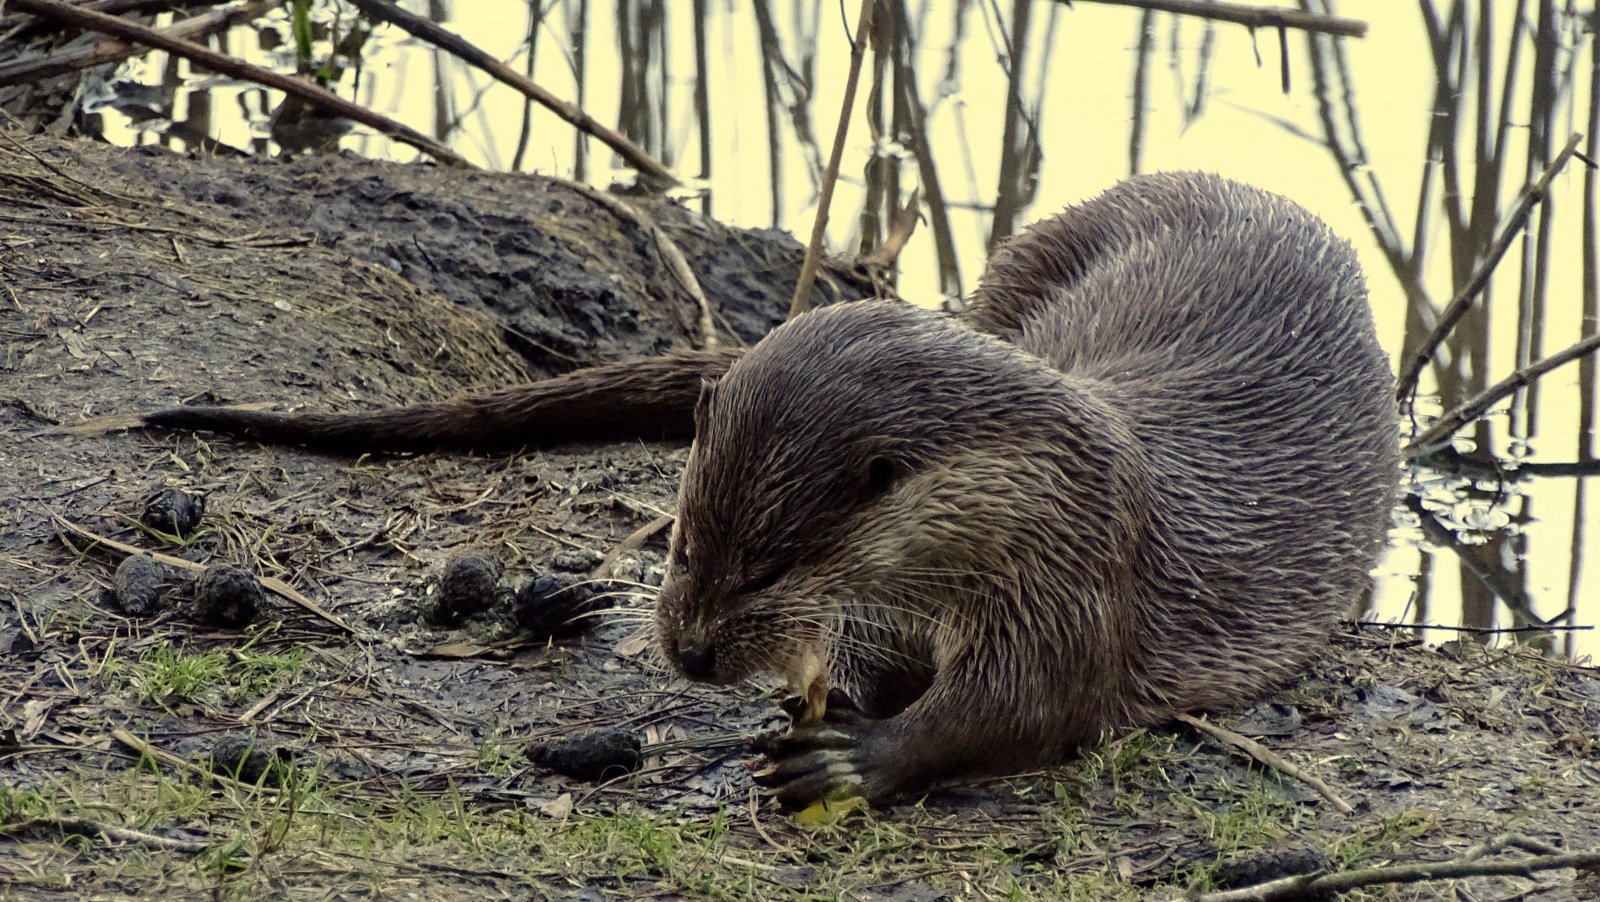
(702, 405)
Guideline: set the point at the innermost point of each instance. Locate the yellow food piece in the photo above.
(828, 811)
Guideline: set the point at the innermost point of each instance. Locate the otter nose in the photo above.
(698, 661)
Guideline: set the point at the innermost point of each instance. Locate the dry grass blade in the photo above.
(633, 542)
(1311, 887)
(171, 760)
(85, 827)
(1268, 757)
(682, 273)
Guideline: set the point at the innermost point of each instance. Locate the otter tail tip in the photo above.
(120, 422)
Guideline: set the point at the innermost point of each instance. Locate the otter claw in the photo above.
(824, 775)
(823, 762)
(840, 708)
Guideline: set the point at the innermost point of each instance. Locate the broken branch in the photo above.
(227, 65)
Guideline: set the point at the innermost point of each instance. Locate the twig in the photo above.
(1406, 385)
(164, 757)
(1141, 90)
(900, 231)
(569, 112)
(1250, 16)
(227, 65)
(1014, 134)
(917, 130)
(819, 227)
(1474, 407)
(1268, 757)
(1493, 580)
(1474, 630)
(112, 50)
(1310, 887)
(86, 827)
(1448, 460)
(272, 583)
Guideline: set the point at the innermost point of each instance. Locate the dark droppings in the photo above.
(173, 511)
(1272, 864)
(558, 604)
(248, 758)
(468, 585)
(594, 756)
(227, 595)
(140, 585)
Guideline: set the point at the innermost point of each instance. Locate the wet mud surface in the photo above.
(132, 280)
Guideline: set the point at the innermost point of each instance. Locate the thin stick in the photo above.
(1494, 580)
(1013, 130)
(1406, 385)
(1141, 78)
(1268, 757)
(917, 128)
(1250, 16)
(271, 583)
(1472, 408)
(1309, 886)
(227, 65)
(819, 227)
(161, 756)
(113, 51)
(85, 827)
(1475, 630)
(570, 112)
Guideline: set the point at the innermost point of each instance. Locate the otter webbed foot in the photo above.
(841, 756)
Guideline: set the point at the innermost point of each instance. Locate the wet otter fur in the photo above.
(1143, 474)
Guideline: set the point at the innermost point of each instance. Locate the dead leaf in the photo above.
(458, 650)
(557, 808)
(34, 715)
(630, 648)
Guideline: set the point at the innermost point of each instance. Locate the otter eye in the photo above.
(881, 475)
(762, 583)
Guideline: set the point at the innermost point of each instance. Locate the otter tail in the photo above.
(650, 398)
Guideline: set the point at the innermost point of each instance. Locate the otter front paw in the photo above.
(838, 757)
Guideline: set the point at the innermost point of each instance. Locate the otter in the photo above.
(1142, 474)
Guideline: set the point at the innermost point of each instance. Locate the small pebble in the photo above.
(227, 595)
(173, 511)
(467, 585)
(594, 756)
(140, 583)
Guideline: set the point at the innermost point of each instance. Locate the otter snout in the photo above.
(697, 661)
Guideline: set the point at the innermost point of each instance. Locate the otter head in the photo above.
(812, 478)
